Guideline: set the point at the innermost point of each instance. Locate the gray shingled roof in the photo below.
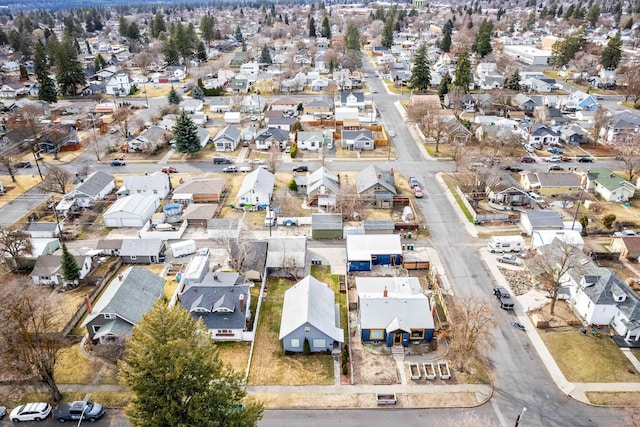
(326, 221)
(94, 183)
(141, 247)
(372, 175)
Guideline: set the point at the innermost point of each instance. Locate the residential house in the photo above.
(239, 84)
(251, 70)
(536, 220)
(326, 226)
(157, 184)
(285, 104)
(121, 306)
(119, 84)
(600, 297)
(376, 186)
(12, 90)
(131, 211)
(322, 187)
(573, 134)
(393, 310)
(220, 299)
(142, 251)
(198, 215)
(456, 132)
(96, 186)
(621, 125)
(525, 103)
(227, 138)
(352, 99)
(178, 72)
(310, 313)
(271, 136)
(286, 256)
(149, 139)
(365, 251)
(250, 258)
(319, 85)
(314, 140)
(203, 136)
(253, 104)
(508, 195)
(358, 139)
(540, 238)
(628, 246)
(579, 100)
(59, 138)
(191, 106)
(551, 182)
(48, 269)
(257, 188)
(283, 123)
(201, 190)
(609, 185)
(543, 134)
(39, 230)
(109, 247)
(220, 104)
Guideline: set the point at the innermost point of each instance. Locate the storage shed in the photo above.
(131, 211)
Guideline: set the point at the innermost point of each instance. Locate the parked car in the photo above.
(287, 150)
(78, 410)
(71, 110)
(118, 163)
(230, 169)
(300, 168)
(245, 144)
(22, 165)
(392, 134)
(221, 161)
(3, 411)
(169, 169)
(585, 159)
(513, 168)
(257, 162)
(413, 182)
(34, 411)
(565, 159)
(625, 233)
(527, 159)
(554, 150)
(417, 191)
(503, 296)
(555, 168)
(245, 169)
(554, 159)
(509, 259)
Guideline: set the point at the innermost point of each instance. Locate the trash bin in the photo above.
(409, 235)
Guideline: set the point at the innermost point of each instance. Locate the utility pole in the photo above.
(36, 157)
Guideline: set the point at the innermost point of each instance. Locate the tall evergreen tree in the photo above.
(462, 74)
(46, 85)
(239, 36)
(513, 81)
(171, 53)
(447, 30)
(325, 30)
(173, 97)
(197, 93)
(158, 25)
(420, 73)
(207, 28)
(612, 53)
(70, 73)
(352, 37)
(265, 56)
(482, 43)
(99, 63)
(172, 368)
(387, 32)
(123, 26)
(69, 265)
(312, 27)
(443, 87)
(186, 134)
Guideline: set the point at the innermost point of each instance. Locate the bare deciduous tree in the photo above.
(7, 160)
(628, 77)
(30, 338)
(15, 244)
(629, 149)
(55, 181)
(121, 119)
(601, 120)
(471, 327)
(348, 201)
(552, 262)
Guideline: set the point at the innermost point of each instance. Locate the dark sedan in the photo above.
(585, 159)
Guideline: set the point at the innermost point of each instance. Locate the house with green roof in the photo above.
(609, 185)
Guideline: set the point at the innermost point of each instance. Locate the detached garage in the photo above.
(131, 211)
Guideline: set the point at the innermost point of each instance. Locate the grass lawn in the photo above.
(585, 358)
(46, 397)
(235, 354)
(323, 273)
(269, 365)
(112, 399)
(110, 374)
(636, 352)
(74, 368)
(616, 399)
(448, 179)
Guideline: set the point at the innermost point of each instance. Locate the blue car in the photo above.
(554, 150)
(118, 163)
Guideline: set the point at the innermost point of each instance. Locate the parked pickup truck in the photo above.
(80, 409)
(503, 296)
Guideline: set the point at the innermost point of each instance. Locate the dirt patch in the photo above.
(563, 315)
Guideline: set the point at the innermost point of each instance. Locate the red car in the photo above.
(527, 159)
(169, 170)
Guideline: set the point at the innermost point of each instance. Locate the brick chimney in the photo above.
(391, 171)
(385, 293)
(241, 301)
(87, 302)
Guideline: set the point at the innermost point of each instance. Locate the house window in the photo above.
(133, 257)
(155, 191)
(374, 257)
(95, 328)
(319, 343)
(225, 331)
(109, 316)
(307, 329)
(417, 334)
(295, 343)
(376, 334)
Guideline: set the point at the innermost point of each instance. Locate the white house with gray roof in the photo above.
(227, 139)
(157, 184)
(121, 306)
(142, 251)
(256, 188)
(96, 186)
(377, 186)
(309, 312)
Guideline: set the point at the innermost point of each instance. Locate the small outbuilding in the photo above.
(131, 211)
(326, 226)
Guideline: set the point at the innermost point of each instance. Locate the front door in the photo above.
(397, 338)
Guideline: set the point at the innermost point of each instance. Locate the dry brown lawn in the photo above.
(269, 365)
(73, 367)
(13, 190)
(631, 399)
(235, 354)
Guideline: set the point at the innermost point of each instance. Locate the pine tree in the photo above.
(325, 30)
(312, 27)
(420, 73)
(352, 37)
(265, 56)
(172, 368)
(69, 265)
(174, 98)
(447, 30)
(70, 72)
(99, 63)
(239, 36)
(482, 43)
(513, 81)
(612, 53)
(387, 33)
(443, 87)
(462, 72)
(46, 85)
(197, 93)
(186, 135)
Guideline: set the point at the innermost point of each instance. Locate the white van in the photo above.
(506, 244)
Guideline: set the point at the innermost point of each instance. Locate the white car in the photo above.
(257, 162)
(30, 412)
(245, 169)
(554, 159)
(392, 134)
